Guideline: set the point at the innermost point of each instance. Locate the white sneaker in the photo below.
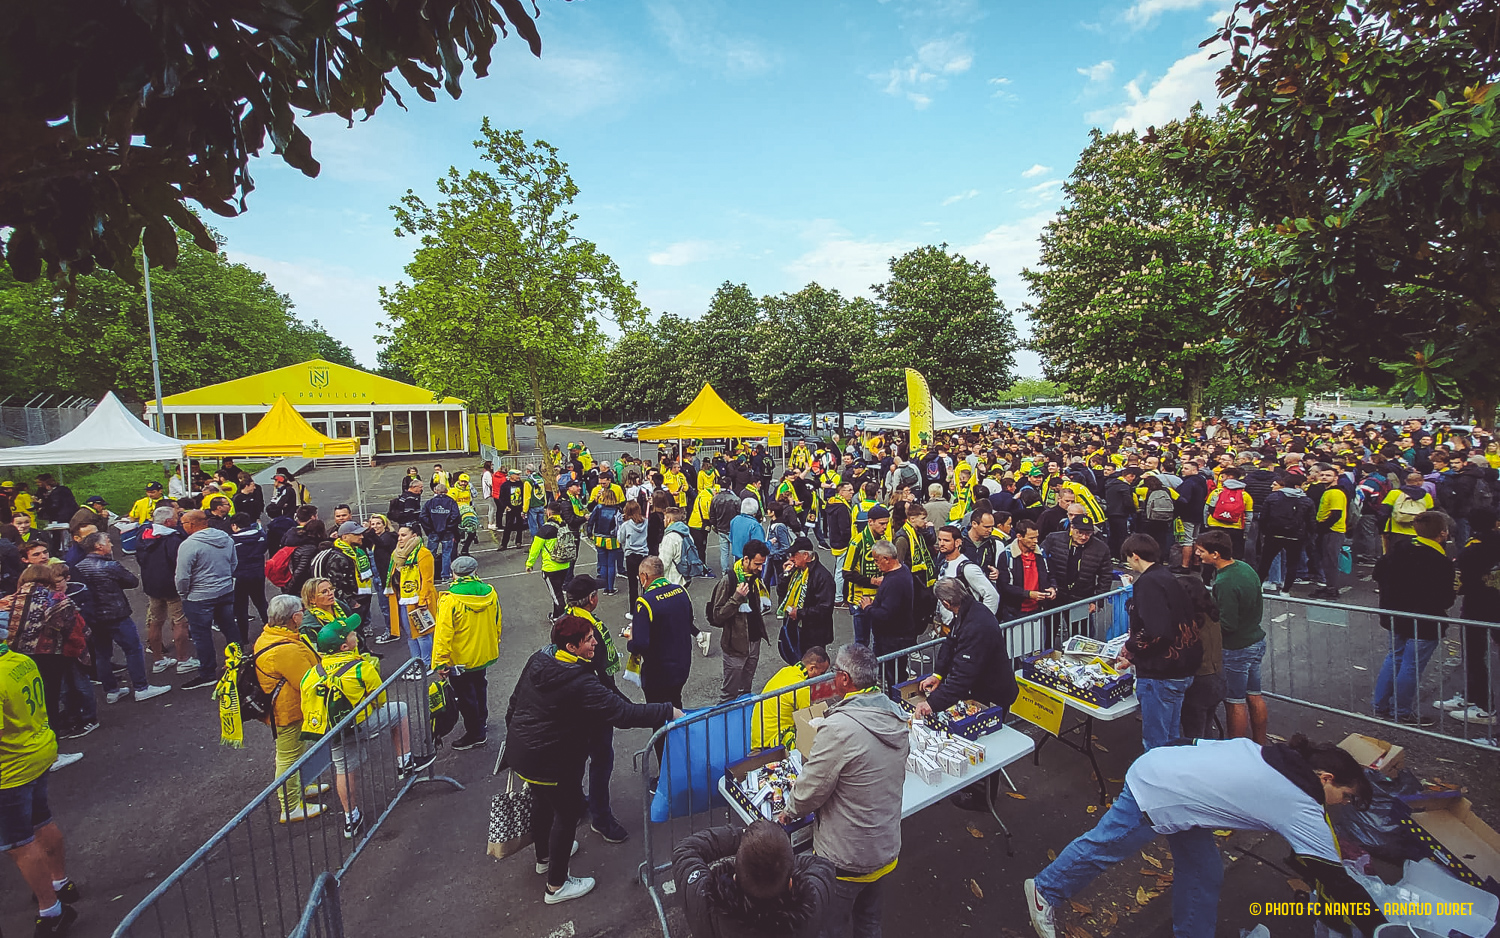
(542, 867)
(117, 695)
(630, 616)
(65, 759)
(162, 664)
(704, 640)
(1473, 714)
(187, 666)
(154, 690)
(575, 887)
(1456, 702)
(1042, 916)
(301, 814)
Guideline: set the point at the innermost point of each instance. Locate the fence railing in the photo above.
(262, 872)
(41, 419)
(703, 742)
(324, 915)
(1342, 658)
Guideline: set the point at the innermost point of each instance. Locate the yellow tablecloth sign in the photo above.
(1039, 706)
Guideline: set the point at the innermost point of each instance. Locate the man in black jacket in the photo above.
(807, 596)
(1025, 580)
(440, 523)
(1079, 561)
(110, 620)
(583, 599)
(746, 881)
(1164, 645)
(890, 611)
(553, 717)
(661, 631)
(1481, 601)
(1415, 576)
(156, 552)
(1119, 505)
(406, 508)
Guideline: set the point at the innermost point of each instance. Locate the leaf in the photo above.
(974, 831)
(1017, 795)
(1150, 859)
(1142, 897)
(1080, 908)
(1100, 747)
(974, 888)
(1222, 833)
(1092, 808)
(1298, 885)
(1051, 854)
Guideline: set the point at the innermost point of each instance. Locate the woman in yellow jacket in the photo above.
(282, 658)
(411, 586)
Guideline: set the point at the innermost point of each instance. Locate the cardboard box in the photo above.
(986, 721)
(806, 732)
(1377, 754)
(1120, 687)
(1461, 842)
(735, 772)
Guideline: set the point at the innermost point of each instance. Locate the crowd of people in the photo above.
(978, 528)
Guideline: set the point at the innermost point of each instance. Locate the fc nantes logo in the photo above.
(317, 377)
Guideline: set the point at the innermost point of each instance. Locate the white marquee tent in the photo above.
(942, 419)
(110, 434)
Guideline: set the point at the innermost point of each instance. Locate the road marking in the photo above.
(502, 576)
(566, 931)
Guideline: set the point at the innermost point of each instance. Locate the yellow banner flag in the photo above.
(919, 400)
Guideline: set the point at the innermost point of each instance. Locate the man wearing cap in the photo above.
(807, 596)
(348, 565)
(512, 502)
(94, 511)
(284, 493)
(861, 574)
(583, 600)
(146, 505)
(1079, 561)
(466, 641)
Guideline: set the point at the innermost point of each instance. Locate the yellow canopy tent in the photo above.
(708, 417)
(283, 433)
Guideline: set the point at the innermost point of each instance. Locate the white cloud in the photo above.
(1143, 12)
(960, 197)
(999, 81)
(1188, 81)
(847, 264)
(1042, 187)
(1037, 169)
(694, 39)
(918, 77)
(1100, 72)
(684, 252)
(345, 303)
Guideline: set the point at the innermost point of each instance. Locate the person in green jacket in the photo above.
(553, 548)
(1237, 590)
(466, 641)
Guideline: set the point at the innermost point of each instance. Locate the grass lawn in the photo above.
(120, 483)
(596, 427)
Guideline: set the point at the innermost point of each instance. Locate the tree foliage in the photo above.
(215, 321)
(1367, 143)
(504, 299)
(812, 349)
(112, 114)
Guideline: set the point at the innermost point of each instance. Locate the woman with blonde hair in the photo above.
(411, 585)
(322, 605)
(603, 527)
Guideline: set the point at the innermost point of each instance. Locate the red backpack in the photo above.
(1229, 508)
(279, 567)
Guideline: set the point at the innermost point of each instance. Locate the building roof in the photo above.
(311, 384)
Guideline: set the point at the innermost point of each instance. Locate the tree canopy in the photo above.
(113, 114)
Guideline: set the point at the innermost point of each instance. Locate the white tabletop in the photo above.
(1113, 712)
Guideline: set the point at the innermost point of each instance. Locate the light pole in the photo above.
(161, 412)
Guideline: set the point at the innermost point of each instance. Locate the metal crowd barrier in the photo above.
(1329, 656)
(324, 915)
(256, 874)
(705, 740)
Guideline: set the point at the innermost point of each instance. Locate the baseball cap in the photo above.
(95, 498)
(583, 586)
(465, 565)
(802, 544)
(152, 486)
(333, 632)
(1082, 524)
(351, 527)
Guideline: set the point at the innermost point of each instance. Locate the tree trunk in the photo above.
(1299, 407)
(1482, 412)
(1196, 383)
(549, 471)
(813, 427)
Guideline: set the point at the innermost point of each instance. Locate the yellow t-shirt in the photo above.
(1392, 526)
(1227, 525)
(22, 502)
(1333, 500)
(28, 746)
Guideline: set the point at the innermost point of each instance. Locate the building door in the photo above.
(345, 427)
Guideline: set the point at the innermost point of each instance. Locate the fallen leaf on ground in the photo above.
(1017, 795)
(1142, 896)
(1449, 761)
(1150, 859)
(1080, 908)
(974, 888)
(1298, 885)
(1092, 808)
(1073, 931)
(1110, 918)
(1051, 854)
(974, 831)
(1100, 747)
(1279, 739)
(1222, 833)
(1117, 780)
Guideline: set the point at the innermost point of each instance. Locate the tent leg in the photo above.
(359, 495)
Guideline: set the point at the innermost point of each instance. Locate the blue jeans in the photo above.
(862, 633)
(124, 633)
(601, 767)
(535, 518)
(78, 698)
(447, 544)
(202, 616)
(610, 562)
(1242, 671)
(1198, 870)
(726, 554)
(1161, 708)
(1396, 685)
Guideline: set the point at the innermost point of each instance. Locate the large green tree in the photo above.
(721, 348)
(1367, 144)
(811, 348)
(113, 114)
(1130, 272)
(505, 299)
(940, 315)
(215, 321)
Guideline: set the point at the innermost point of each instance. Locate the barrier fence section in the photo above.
(254, 877)
(1337, 657)
(324, 915)
(686, 800)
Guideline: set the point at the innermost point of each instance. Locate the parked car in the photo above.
(617, 431)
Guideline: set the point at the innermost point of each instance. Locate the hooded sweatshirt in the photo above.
(853, 780)
(205, 565)
(467, 634)
(157, 556)
(745, 527)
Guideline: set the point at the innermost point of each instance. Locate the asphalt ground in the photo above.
(155, 784)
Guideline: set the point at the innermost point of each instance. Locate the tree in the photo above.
(1366, 142)
(215, 321)
(504, 296)
(1129, 277)
(810, 348)
(112, 114)
(720, 353)
(939, 314)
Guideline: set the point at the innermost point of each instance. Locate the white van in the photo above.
(1170, 413)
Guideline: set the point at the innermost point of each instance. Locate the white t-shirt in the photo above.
(1224, 783)
(977, 581)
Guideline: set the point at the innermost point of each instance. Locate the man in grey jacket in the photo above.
(205, 581)
(853, 779)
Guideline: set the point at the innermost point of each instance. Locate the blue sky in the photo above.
(772, 144)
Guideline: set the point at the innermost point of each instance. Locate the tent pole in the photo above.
(161, 413)
(359, 495)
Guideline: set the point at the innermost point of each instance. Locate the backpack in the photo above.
(1404, 512)
(323, 714)
(279, 567)
(1287, 516)
(908, 475)
(961, 576)
(1230, 506)
(1448, 496)
(935, 468)
(256, 703)
(468, 519)
(689, 564)
(1154, 509)
(565, 549)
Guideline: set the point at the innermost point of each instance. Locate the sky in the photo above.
(773, 144)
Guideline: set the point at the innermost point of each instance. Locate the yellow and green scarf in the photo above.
(362, 565)
(227, 693)
(795, 591)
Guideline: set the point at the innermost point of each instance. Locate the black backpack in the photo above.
(1287, 516)
(256, 703)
